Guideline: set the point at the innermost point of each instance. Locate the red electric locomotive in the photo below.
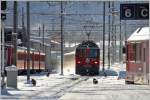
(87, 58)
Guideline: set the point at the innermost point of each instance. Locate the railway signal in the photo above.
(3, 16)
(3, 5)
(3, 8)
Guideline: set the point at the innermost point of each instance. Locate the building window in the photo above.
(138, 52)
(134, 52)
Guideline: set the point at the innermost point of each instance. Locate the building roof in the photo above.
(140, 34)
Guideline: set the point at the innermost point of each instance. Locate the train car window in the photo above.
(36, 57)
(20, 56)
(42, 58)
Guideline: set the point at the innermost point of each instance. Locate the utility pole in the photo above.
(125, 35)
(39, 37)
(23, 28)
(44, 47)
(2, 55)
(125, 30)
(28, 41)
(115, 47)
(120, 50)
(2, 51)
(149, 54)
(14, 34)
(62, 37)
(109, 36)
(103, 35)
(112, 50)
(43, 27)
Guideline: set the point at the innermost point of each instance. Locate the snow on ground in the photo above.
(77, 87)
(47, 87)
(108, 88)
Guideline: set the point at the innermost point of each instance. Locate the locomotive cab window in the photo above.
(77, 52)
(83, 52)
(93, 53)
(80, 52)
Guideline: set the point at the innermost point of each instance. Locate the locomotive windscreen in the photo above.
(93, 53)
(83, 52)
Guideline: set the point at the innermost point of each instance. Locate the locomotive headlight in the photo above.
(95, 62)
(78, 62)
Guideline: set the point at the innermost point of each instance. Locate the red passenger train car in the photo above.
(37, 60)
(138, 57)
(87, 58)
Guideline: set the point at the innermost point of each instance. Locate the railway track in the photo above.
(58, 90)
(68, 87)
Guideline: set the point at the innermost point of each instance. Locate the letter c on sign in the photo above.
(144, 12)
